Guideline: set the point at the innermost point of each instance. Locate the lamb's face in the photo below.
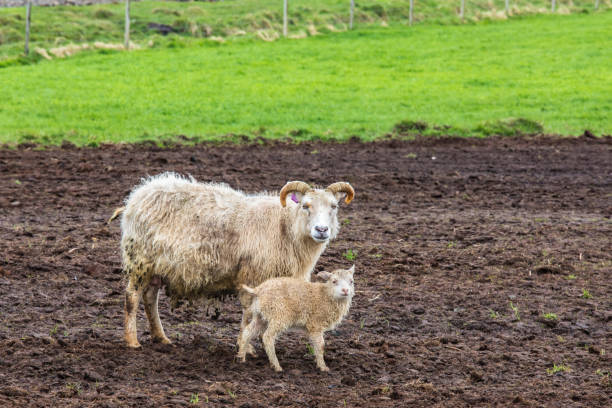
(318, 214)
(340, 283)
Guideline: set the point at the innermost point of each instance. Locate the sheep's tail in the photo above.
(117, 212)
(248, 290)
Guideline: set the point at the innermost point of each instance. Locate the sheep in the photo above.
(204, 240)
(284, 303)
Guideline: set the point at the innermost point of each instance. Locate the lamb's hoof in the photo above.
(134, 345)
(241, 357)
(251, 351)
(324, 369)
(278, 369)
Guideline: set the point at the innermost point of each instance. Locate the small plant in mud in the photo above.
(74, 387)
(561, 368)
(53, 331)
(410, 156)
(493, 314)
(515, 310)
(350, 255)
(450, 244)
(346, 221)
(550, 316)
(310, 349)
(586, 294)
(231, 394)
(195, 398)
(362, 323)
(570, 277)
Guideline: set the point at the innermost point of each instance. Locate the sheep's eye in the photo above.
(334, 206)
(306, 206)
(335, 281)
(351, 281)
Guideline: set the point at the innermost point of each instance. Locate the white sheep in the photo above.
(288, 303)
(206, 240)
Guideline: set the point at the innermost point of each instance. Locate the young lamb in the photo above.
(283, 303)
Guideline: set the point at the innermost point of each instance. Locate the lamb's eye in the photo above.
(351, 281)
(306, 206)
(334, 206)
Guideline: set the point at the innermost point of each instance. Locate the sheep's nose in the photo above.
(345, 291)
(321, 229)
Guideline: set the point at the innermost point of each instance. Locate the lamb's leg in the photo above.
(247, 318)
(253, 329)
(318, 343)
(150, 299)
(269, 338)
(132, 299)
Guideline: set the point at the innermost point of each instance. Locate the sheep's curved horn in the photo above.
(291, 186)
(342, 187)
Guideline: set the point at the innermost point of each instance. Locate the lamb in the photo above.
(284, 303)
(204, 240)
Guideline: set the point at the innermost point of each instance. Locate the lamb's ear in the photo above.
(352, 270)
(324, 275)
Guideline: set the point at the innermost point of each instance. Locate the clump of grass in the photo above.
(571, 276)
(103, 14)
(586, 294)
(406, 126)
(515, 310)
(195, 398)
(550, 316)
(561, 368)
(509, 127)
(350, 255)
(493, 314)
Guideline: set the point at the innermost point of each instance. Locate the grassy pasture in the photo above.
(57, 26)
(474, 78)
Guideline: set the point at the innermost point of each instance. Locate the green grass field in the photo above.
(554, 70)
(58, 26)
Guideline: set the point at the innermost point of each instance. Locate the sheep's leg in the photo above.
(269, 338)
(132, 299)
(318, 343)
(150, 299)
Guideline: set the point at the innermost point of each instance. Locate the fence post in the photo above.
(554, 3)
(596, 4)
(410, 12)
(507, 6)
(126, 35)
(285, 17)
(27, 33)
(462, 9)
(352, 13)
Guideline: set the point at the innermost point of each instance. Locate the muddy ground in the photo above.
(461, 246)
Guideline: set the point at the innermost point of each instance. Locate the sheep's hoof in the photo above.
(134, 345)
(162, 340)
(324, 369)
(241, 357)
(251, 350)
(278, 369)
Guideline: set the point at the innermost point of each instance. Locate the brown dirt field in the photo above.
(448, 235)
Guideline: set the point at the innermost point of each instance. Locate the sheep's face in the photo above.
(318, 214)
(340, 283)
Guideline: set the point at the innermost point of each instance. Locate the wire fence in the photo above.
(285, 14)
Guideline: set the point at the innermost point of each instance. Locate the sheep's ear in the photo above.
(352, 270)
(296, 196)
(324, 275)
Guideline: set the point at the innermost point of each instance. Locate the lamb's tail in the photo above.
(248, 290)
(117, 212)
